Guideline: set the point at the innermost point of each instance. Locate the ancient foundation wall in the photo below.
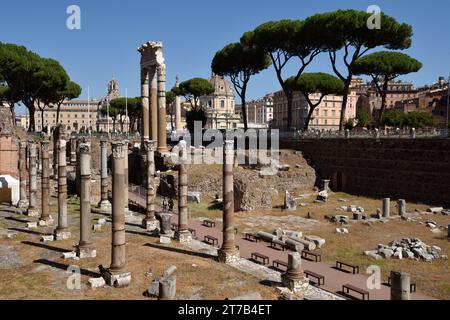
(9, 156)
(415, 170)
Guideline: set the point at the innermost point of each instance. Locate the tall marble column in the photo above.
(183, 234)
(32, 184)
(386, 207)
(228, 253)
(154, 106)
(45, 182)
(104, 202)
(23, 201)
(85, 248)
(116, 274)
(126, 176)
(178, 125)
(162, 120)
(61, 232)
(294, 278)
(150, 222)
(145, 104)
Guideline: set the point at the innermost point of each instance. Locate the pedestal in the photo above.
(61, 235)
(86, 252)
(150, 225)
(229, 257)
(23, 204)
(117, 280)
(33, 213)
(183, 236)
(295, 285)
(105, 205)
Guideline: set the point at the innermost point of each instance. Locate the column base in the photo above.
(33, 213)
(61, 235)
(183, 236)
(117, 280)
(84, 253)
(23, 204)
(295, 285)
(150, 225)
(46, 223)
(228, 257)
(104, 205)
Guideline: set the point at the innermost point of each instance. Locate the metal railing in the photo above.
(427, 133)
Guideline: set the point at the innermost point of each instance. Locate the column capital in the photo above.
(104, 142)
(150, 145)
(118, 149)
(23, 144)
(45, 145)
(84, 148)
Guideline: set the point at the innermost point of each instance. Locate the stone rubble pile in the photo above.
(407, 248)
(294, 240)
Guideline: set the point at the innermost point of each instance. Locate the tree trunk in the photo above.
(58, 110)
(244, 113)
(344, 102)
(310, 114)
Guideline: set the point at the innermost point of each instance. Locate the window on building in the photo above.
(222, 103)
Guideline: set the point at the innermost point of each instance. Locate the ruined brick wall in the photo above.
(9, 156)
(415, 170)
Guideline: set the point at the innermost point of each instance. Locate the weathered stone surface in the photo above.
(318, 241)
(248, 296)
(47, 239)
(289, 202)
(165, 240)
(97, 282)
(435, 210)
(195, 197)
(69, 255)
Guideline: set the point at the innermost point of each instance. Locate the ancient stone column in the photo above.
(104, 204)
(183, 234)
(386, 207)
(150, 222)
(168, 284)
(162, 120)
(400, 286)
(32, 184)
(126, 176)
(145, 104)
(116, 274)
(45, 183)
(347, 134)
(294, 278)
(73, 151)
(23, 202)
(448, 231)
(178, 125)
(61, 232)
(228, 253)
(85, 248)
(401, 204)
(154, 107)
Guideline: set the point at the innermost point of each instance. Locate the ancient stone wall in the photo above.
(416, 170)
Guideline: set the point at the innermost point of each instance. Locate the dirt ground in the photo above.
(432, 278)
(30, 269)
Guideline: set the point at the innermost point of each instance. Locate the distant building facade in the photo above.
(326, 116)
(260, 112)
(220, 106)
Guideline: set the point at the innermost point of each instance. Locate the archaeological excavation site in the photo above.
(335, 188)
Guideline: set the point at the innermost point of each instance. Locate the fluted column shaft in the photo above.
(151, 186)
(182, 189)
(84, 152)
(145, 104)
(118, 261)
(162, 120)
(154, 106)
(23, 174)
(228, 198)
(62, 186)
(32, 185)
(45, 177)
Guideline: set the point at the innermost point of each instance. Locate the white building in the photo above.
(260, 112)
(220, 106)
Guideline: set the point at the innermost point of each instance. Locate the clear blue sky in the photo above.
(192, 31)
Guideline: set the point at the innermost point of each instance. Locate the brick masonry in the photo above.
(416, 170)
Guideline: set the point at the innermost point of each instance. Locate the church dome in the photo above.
(221, 86)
